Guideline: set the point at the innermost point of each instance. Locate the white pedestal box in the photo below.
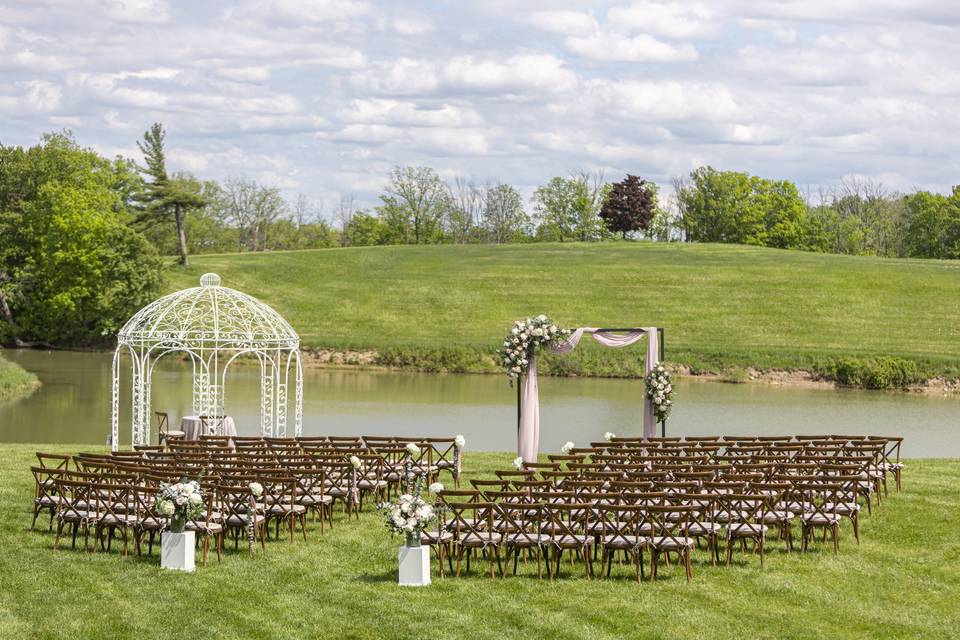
(178, 550)
(414, 566)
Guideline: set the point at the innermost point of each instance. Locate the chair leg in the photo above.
(686, 562)
(56, 543)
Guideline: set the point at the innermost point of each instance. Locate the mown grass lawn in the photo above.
(902, 582)
(720, 304)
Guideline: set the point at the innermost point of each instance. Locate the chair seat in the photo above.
(778, 517)
(666, 542)
(571, 541)
(372, 484)
(479, 539)
(745, 529)
(242, 521)
(842, 508)
(431, 537)
(312, 499)
(703, 528)
(211, 528)
(820, 519)
(624, 541)
(526, 539)
(285, 509)
(47, 501)
(174, 434)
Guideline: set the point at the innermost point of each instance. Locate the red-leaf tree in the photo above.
(630, 205)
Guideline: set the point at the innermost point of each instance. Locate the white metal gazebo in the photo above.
(213, 325)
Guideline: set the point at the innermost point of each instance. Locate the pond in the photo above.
(73, 406)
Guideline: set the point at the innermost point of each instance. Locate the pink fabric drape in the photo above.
(528, 435)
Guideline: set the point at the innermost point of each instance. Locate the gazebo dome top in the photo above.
(209, 316)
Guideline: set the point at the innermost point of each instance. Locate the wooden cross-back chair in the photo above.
(621, 528)
(567, 526)
(472, 526)
(164, 432)
(238, 513)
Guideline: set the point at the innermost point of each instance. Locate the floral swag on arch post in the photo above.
(520, 359)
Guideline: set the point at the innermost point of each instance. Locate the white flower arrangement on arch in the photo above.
(523, 339)
(659, 388)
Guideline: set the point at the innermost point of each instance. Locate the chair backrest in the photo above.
(211, 425)
(45, 479)
(53, 460)
(566, 519)
(163, 421)
(468, 518)
(77, 499)
(521, 519)
(620, 523)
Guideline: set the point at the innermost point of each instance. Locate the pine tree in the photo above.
(164, 196)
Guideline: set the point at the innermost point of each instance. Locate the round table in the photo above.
(190, 425)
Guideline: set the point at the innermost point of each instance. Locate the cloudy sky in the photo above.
(325, 96)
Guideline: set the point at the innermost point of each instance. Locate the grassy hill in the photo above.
(722, 306)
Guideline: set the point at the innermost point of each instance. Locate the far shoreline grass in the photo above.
(902, 581)
(15, 381)
(725, 308)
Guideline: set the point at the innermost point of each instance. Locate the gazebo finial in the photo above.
(210, 280)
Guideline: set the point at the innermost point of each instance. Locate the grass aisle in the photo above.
(722, 305)
(903, 581)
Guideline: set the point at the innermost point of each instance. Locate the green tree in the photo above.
(362, 230)
(735, 207)
(71, 269)
(414, 205)
(568, 209)
(934, 224)
(504, 219)
(166, 197)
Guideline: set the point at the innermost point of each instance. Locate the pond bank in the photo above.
(869, 373)
(15, 381)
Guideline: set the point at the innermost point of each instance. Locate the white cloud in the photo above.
(410, 26)
(670, 19)
(394, 112)
(325, 96)
(613, 46)
(565, 22)
(519, 73)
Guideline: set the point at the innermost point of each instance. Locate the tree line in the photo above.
(82, 236)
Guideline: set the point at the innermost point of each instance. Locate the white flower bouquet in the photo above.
(179, 502)
(524, 337)
(659, 387)
(408, 516)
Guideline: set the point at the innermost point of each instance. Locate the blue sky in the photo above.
(323, 97)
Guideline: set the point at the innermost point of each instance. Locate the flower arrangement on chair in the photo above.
(659, 387)
(179, 502)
